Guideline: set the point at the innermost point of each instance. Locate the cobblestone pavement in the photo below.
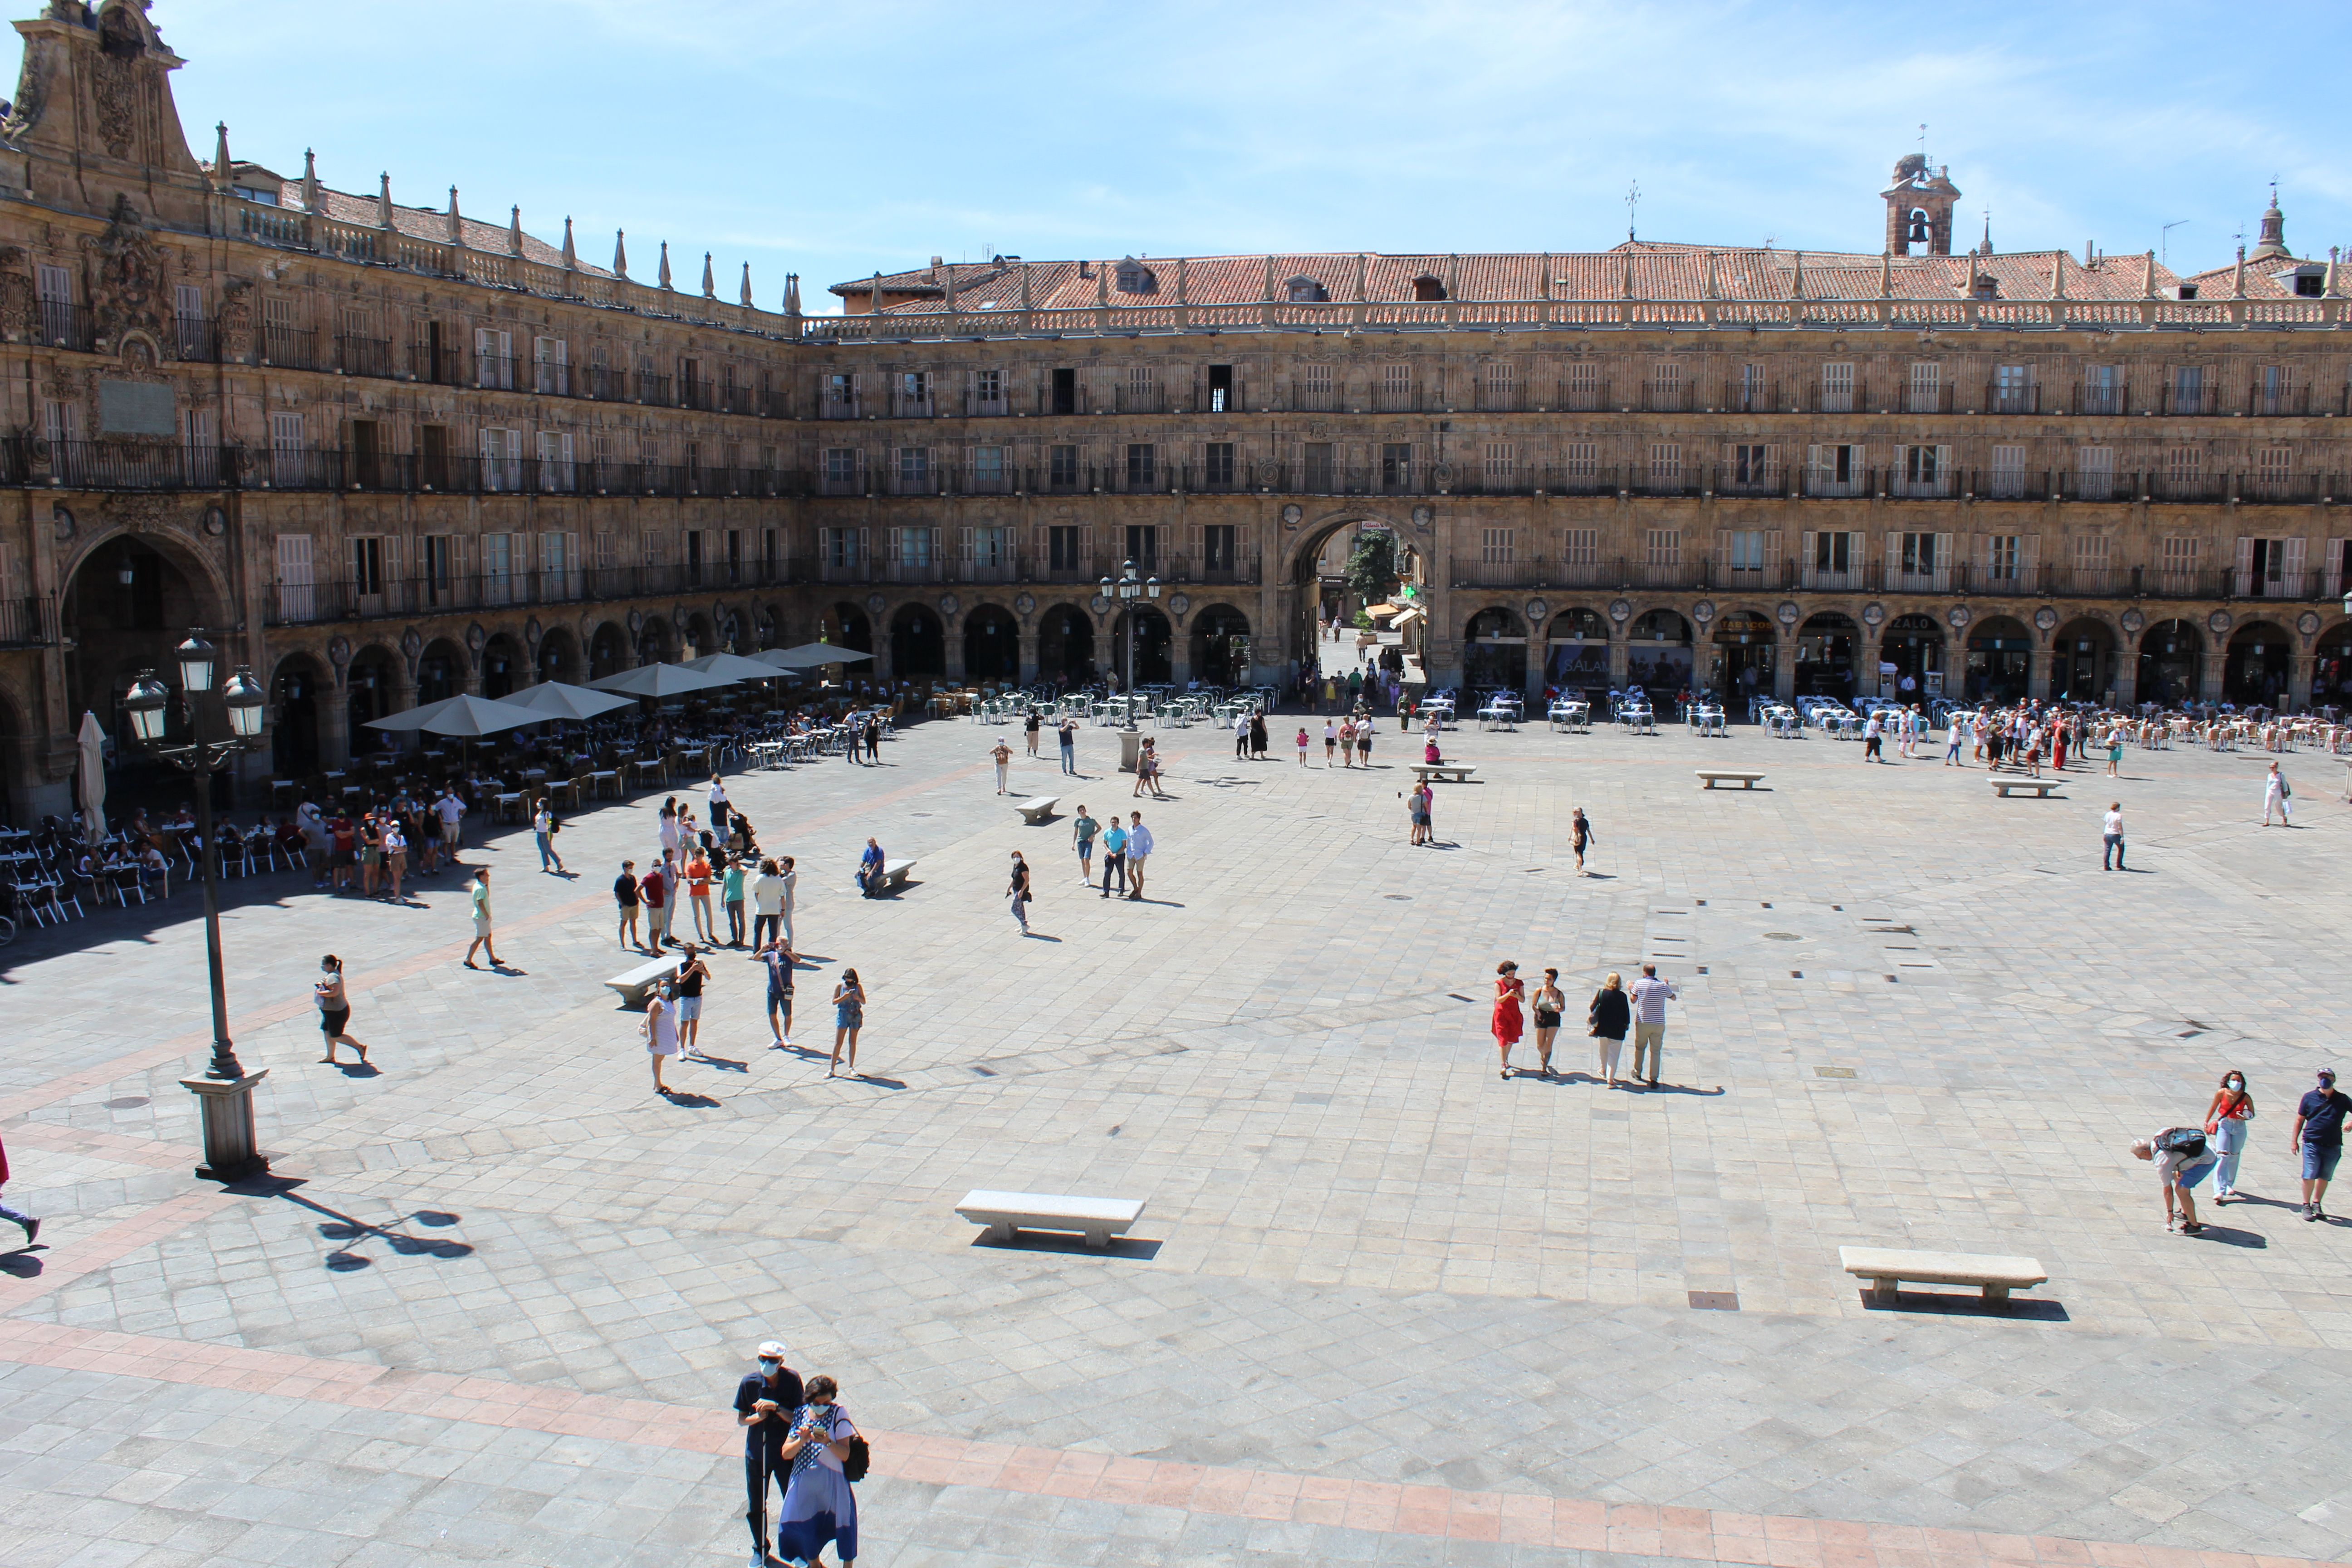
(1382, 1307)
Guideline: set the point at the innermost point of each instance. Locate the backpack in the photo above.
(859, 1460)
(2184, 1140)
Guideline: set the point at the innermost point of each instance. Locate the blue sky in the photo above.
(834, 139)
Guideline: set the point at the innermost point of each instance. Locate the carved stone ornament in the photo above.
(2308, 622)
(2218, 622)
(2133, 621)
(636, 622)
(1101, 605)
(949, 604)
(1703, 612)
(412, 645)
(1958, 617)
(1025, 604)
(236, 319)
(1788, 614)
(139, 513)
(2045, 620)
(116, 92)
(129, 290)
(476, 638)
(874, 603)
(1179, 605)
(1290, 516)
(532, 634)
(1873, 613)
(338, 653)
(1620, 611)
(216, 522)
(1537, 612)
(62, 520)
(1423, 516)
(32, 91)
(15, 293)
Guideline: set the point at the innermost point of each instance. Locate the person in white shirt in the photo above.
(769, 891)
(451, 812)
(718, 798)
(2112, 859)
(1139, 849)
(1649, 996)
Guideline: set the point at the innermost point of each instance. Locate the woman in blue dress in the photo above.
(820, 1505)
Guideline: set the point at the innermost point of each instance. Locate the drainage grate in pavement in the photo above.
(1398, 898)
(1715, 1300)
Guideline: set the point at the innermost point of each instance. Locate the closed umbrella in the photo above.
(659, 680)
(555, 699)
(468, 716)
(734, 666)
(90, 740)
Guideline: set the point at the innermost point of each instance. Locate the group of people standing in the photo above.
(1127, 851)
(2185, 1156)
(1608, 1017)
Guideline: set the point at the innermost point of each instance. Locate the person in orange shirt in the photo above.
(697, 889)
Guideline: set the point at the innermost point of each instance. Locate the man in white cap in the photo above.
(764, 1403)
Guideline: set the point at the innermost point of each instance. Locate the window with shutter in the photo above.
(2094, 473)
(1837, 389)
(1580, 389)
(2007, 480)
(1580, 546)
(286, 454)
(1926, 387)
(297, 595)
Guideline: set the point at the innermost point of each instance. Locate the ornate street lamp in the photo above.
(225, 1091)
(1126, 589)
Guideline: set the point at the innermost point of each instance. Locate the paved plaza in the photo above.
(1382, 1307)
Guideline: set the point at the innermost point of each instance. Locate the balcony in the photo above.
(2190, 397)
(27, 623)
(694, 392)
(651, 389)
(1618, 572)
(293, 604)
(440, 367)
(839, 406)
(63, 325)
(2012, 397)
(364, 356)
(196, 340)
(494, 373)
(2108, 397)
(290, 347)
(2277, 401)
(552, 378)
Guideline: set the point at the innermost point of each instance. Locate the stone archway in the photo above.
(128, 601)
(2001, 660)
(300, 688)
(441, 671)
(1221, 645)
(558, 656)
(1827, 646)
(2257, 668)
(918, 647)
(608, 651)
(371, 686)
(1065, 645)
(2171, 663)
(2083, 660)
(1658, 653)
(992, 644)
(1494, 651)
(505, 668)
(1154, 664)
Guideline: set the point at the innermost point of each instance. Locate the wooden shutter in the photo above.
(1943, 560)
(2245, 565)
(2293, 567)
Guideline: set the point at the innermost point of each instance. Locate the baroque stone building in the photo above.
(394, 453)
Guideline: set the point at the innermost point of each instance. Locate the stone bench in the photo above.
(1886, 1266)
(635, 985)
(1038, 810)
(1007, 1213)
(1709, 777)
(1452, 772)
(895, 874)
(2041, 787)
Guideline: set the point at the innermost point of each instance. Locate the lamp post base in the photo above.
(1130, 750)
(231, 1150)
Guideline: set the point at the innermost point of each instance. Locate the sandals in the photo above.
(2190, 1229)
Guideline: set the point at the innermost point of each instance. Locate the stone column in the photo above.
(334, 707)
(951, 630)
(1620, 657)
(1028, 671)
(1784, 665)
(2298, 690)
(2037, 672)
(1867, 681)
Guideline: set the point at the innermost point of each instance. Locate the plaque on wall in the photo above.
(136, 409)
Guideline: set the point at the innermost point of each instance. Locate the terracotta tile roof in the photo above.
(1644, 270)
(427, 223)
(2264, 278)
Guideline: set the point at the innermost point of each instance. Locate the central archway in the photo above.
(1825, 654)
(295, 694)
(1577, 651)
(1658, 653)
(1747, 644)
(918, 646)
(2001, 660)
(2171, 663)
(127, 604)
(1153, 664)
(1065, 646)
(1221, 655)
(1914, 645)
(2255, 673)
(992, 644)
(1495, 651)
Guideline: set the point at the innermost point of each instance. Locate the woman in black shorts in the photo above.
(1548, 1004)
(334, 1007)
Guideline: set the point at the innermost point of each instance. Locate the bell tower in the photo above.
(1919, 209)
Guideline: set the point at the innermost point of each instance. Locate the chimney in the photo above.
(383, 201)
(456, 229)
(620, 253)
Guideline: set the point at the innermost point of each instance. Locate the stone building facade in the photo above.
(391, 452)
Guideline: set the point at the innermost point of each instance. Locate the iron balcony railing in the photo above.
(364, 356)
(297, 603)
(64, 325)
(290, 347)
(196, 340)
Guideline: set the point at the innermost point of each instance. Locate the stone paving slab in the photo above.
(1365, 1262)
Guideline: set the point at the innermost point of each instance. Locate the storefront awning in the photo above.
(1406, 619)
(1381, 609)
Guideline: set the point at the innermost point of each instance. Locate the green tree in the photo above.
(1371, 571)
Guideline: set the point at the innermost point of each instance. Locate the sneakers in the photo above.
(2313, 1212)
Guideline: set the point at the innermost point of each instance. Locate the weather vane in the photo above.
(1633, 200)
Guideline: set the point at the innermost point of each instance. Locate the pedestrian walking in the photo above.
(1082, 834)
(1579, 836)
(666, 826)
(660, 895)
(1002, 756)
(626, 902)
(1549, 1004)
(2111, 858)
(1607, 1019)
(697, 894)
(874, 740)
(2277, 797)
(1241, 736)
(730, 899)
(2183, 1158)
(1069, 737)
(395, 857)
(334, 1008)
(32, 1227)
(824, 1452)
(849, 1018)
(660, 1030)
(1257, 735)
(1650, 996)
(1302, 745)
(479, 896)
(1873, 736)
(1030, 725)
(1139, 850)
(1507, 1024)
(692, 976)
(1416, 811)
(1347, 743)
(1364, 742)
(2116, 752)
(1955, 735)
(1331, 739)
(452, 813)
(1017, 892)
(1114, 841)
(765, 1403)
(778, 956)
(2225, 1123)
(2319, 1141)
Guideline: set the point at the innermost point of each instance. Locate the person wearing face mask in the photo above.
(764, 1403)
(2226, 1120)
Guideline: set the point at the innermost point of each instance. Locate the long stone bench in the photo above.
(1709, 777)
(894, 877)
(1452, 772)
(1037, 809)
(1886, 1266)
(2041, 787)
(1007, 1213)
(635, 985)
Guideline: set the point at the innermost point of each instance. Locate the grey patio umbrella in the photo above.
(659, 680)
(468, 716)
(734, 666)
(811, 656)
(555, 699)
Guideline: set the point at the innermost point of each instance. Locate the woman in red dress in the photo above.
(1508, 1025)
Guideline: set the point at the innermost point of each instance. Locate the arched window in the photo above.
(1426, 287)
(1306, 291)
(1134, 278)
